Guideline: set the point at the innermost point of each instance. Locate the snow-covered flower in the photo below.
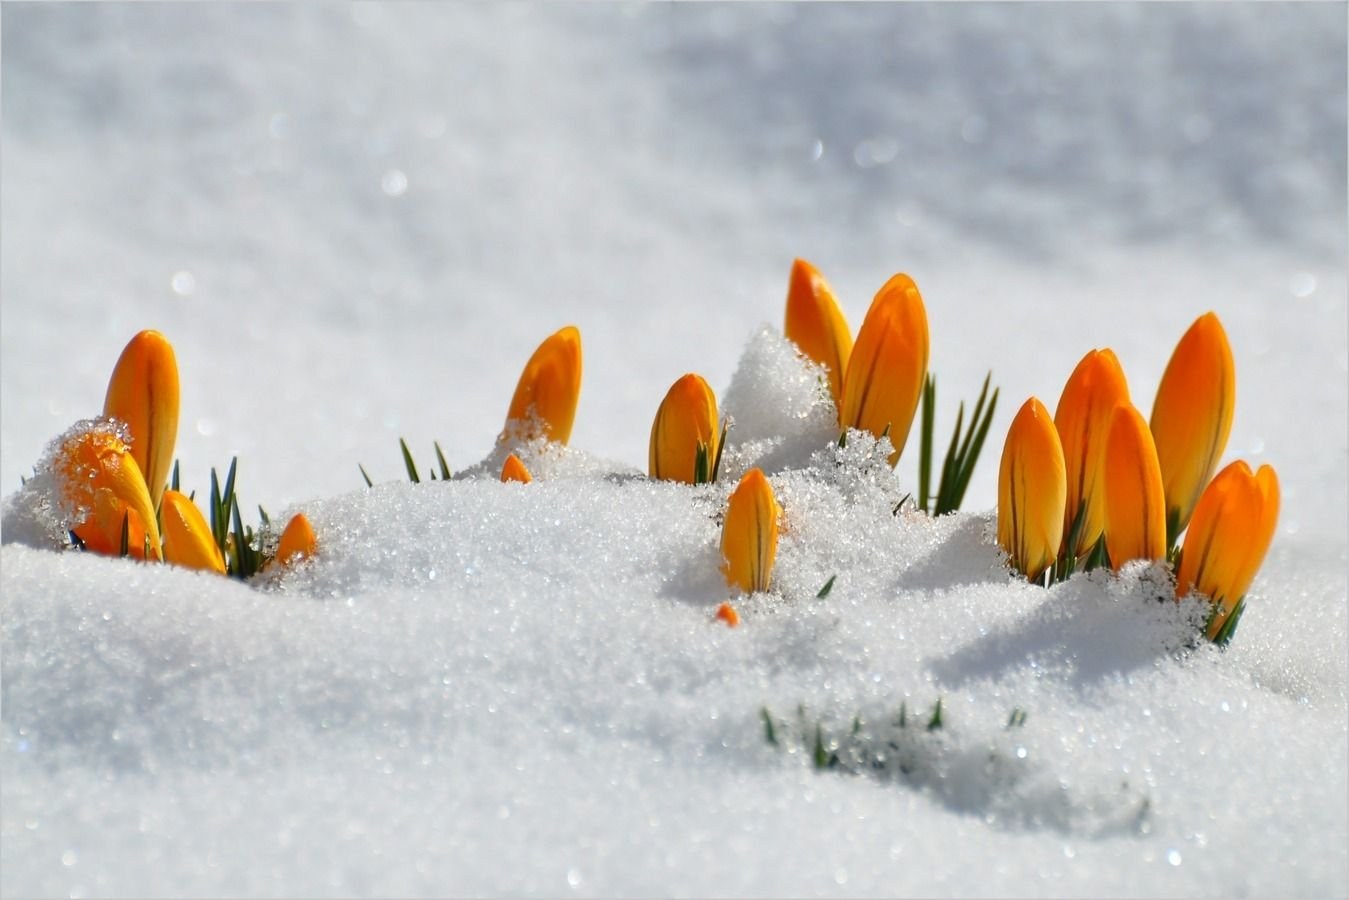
(685, 436)
(545, 398)
(297, 541)
(514, 470)
(888, 364)
(749, 534)
(102, 492)
(143, 393)
(188, 540)
(1135, 510)
(816, 325)
(1229, 535)
(1091, 394)
(1032, 485)
(1192, 417)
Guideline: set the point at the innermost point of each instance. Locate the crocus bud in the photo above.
(1032, 485)
(187, 538)
(1229, 535)
(1083, 418)
(102, 487)
(749, 534)
(514, 470)
(884, 379)
(1135, 510)
(548, 389)
(1192, 417)
(297, 541)
(143, 393)
(816, 324)
(726, 613)
(684, 434)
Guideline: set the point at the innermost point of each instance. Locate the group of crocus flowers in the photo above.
(1097, 483)
(112, 473)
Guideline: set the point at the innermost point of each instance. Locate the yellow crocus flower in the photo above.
(884, 378)
(1229, 535)
(816, 324)
(1032, 486)
(684, 434)
(143, 393)
(1082, 418)
(187, 538)
(102, 484)
(1192, 416)
(1135, 506)
(749, 534)
(549, 388)
(297, 541)
(514, 470)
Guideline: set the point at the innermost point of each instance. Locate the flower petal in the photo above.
(100, 483)
(1083, 417)
(297, 541)
(514, 470)
(143, 393)
(749, 534)
(816, 325)
(884, 378)
(1032, 486)
(1192, 416)
(1135, 506)
(187, 538)
(546, 395)
(684, 430)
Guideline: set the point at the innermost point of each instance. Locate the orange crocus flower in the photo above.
(187, 538)
(1135, 506)
(684, 434)
(514, 470)
(749, 534)
(1032, 485)
(297, 541)
(1083, 418)
(143, 393)
(102, 487)
(816, 325)
(546, 395)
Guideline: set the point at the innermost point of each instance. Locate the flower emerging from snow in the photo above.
(188, 540)
(749, 534)
(101, 491)
(685, 438)
(297, 541)
(1093, 391)
(549, 387)
(1135, 511)
(1032, 486)
(816, 325)
(143, 393)
(514, 470)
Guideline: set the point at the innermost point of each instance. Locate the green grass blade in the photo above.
(721, 445)
(925, 441)
(365, 475)
(440, 459)
(828, 586)
(407, 462)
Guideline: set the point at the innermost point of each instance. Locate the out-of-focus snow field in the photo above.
(356, 222)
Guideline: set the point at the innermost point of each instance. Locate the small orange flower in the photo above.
(101, 487)
(726, 613)
(1032, 485)
(1089, 399)
(816, 324)
(548, 390)
(143, 393)
(749, 534)
(187, 538)
(1135, 507)
(684, 439)
(1229, 535)
(1192, 416)
(514, 470)
(884, 379)
(297, 541)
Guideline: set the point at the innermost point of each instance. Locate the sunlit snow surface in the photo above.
(355, 223)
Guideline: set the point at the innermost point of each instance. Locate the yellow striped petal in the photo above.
(749, 534)
(102, 484)
(684, 431)
(297, 541)
(1032, 486)
(1192, 416)
(1082, 418)
(549, 388)
(816, 324)
(143, 393)
(187, 537)
(514, 470)
(884, 378)
(1135, 507)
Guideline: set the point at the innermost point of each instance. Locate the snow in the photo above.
(355, 223)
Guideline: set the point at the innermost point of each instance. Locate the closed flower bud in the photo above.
(514, 470)
(749, 534)
(1083, 418)
(187, 538)
(816, 324)
(297, 541)
(1192, 417)
(684, 434)
(1229, 535)
(143, 393)
(1032, 485)
(1135, 511)
(101, 487)
(549, 387)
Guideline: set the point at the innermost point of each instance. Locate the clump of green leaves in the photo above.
(410, 466)
(239, 544)
(961, 454)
